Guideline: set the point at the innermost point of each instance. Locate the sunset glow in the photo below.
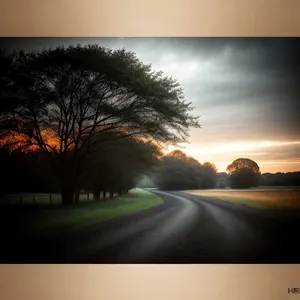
(258, 151)
(17, 140)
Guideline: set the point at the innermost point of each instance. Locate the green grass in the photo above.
(57, 220)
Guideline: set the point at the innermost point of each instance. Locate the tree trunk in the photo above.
(97, 194)
(70, 180)
(104, 194)
(111, 194)
(67, 196)
(77, 195)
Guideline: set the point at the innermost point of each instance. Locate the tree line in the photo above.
(177, 171)
(113, 169)
(281, 179)
(126, 163)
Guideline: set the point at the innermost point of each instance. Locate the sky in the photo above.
(245, 90)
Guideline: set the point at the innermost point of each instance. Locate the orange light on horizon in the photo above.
(223, 155)
(217, 154)
(17, 140)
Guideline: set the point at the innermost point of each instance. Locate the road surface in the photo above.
(184, 229)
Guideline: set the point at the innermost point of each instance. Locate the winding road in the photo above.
(184, 229)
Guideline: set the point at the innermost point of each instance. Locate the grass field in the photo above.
(47, 221)
(262, 198)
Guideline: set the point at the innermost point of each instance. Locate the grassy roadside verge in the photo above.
(276, 200)
(53, 221)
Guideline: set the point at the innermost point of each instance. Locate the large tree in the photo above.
(243, 173)
(63, 101)
(241, 163)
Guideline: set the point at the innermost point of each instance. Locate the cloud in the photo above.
(246, 90)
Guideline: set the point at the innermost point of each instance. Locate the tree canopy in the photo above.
(242, 163)
(66, 101)
(177, 171)
(243, 173)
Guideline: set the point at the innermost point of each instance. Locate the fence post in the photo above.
(88, 196)
(50, 199)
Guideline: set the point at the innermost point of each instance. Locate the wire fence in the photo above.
(52, 199)
(39, 198)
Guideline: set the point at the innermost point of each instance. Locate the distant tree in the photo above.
(171, 173)
(222, 180)
(178, 171)
(281, 179)
(210, 166)
(243, 173)
(63, 101)
(210, 177)
(242, 163)
(244, 178)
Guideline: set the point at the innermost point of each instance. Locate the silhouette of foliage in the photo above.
(222, 180)
(210, 177)
(64, 101)
(118, 165)
(242, 163)
(26, 172)
(178, 171)
(281, 179)
(243, 173)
